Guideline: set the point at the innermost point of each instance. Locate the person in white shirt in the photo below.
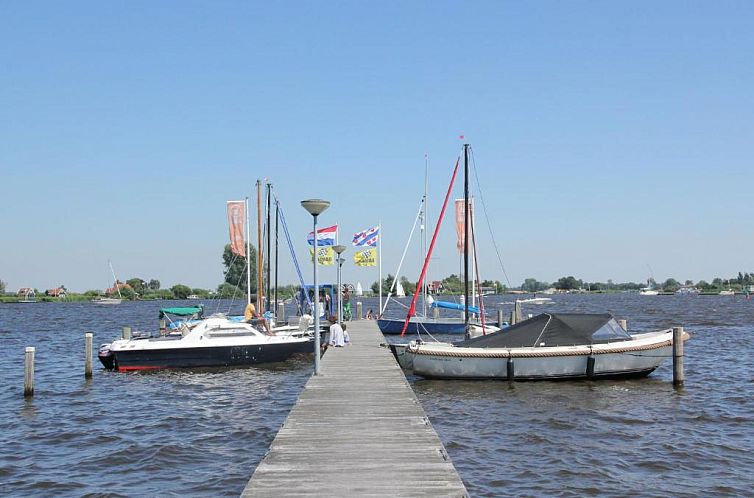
(337, 337)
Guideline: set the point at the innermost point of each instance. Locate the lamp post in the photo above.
(339, 249)
(315, 208)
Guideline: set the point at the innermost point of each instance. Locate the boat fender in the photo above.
(590, 367)
(511, 369)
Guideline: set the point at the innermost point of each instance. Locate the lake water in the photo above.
(201, 433)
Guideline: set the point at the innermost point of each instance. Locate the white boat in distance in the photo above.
(107, 300)
(110, 300)
(545, 347)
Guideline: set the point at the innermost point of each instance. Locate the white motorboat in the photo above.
(210, 342)
(547, 346)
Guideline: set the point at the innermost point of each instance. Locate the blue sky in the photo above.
(607, 136)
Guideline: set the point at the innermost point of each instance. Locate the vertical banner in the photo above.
(325, 255)
(460, 223)
(236, 217)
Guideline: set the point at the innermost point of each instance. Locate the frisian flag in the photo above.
(368, 237)
(325, 236)
(236, 217)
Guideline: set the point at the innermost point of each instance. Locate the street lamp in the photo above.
(315, 208)
(339, 249)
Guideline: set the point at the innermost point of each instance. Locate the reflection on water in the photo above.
(202, 432)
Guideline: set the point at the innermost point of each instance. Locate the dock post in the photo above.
(435, 313)
(88, 354)
(163, 327)
(29, 372)
(678, 375)
(280, 318)
(359, 310)
(623, 324)
(500, 318)
(127, 333)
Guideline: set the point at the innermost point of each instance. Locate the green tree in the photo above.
(127, 293)
(235, 269)
(386, 284)
(203, 293)
(2, 287)
(533, 285)
(452, 284)
(181, 291)
(227, 291)
(670, 285)
(163, 294)
(154, 284)
(568, 283)
(137, 285)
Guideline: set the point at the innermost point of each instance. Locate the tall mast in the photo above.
(269, 253)
(466, 236)
(260, 254)
(248, 254)
(277, 260)
(423, 228)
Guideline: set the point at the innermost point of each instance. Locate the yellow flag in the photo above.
(366, 257)
(325, 255)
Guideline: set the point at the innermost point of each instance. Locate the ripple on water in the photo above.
(126, 435)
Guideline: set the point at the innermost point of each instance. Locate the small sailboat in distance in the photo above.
(359, 289)
(110, 300)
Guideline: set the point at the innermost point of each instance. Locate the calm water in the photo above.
(201, 433)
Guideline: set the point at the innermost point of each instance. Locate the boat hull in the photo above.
(423, 325)
(212, 356)
(447, 362)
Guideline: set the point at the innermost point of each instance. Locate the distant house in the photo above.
(25, 292)
(56, 292)
(435, 286)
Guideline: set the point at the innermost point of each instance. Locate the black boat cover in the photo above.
(553, 329)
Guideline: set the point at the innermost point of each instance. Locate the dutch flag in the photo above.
(325, 236)
(367, 237)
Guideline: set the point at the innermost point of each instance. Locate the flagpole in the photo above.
(379, 262)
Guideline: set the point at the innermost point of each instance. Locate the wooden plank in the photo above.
(357, 429)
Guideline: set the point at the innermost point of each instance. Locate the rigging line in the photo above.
(408, 243)
(486, 217)
(293, 254)
(412, 309)
(478, 280)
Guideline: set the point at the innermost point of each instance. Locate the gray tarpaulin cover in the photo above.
(554, 329)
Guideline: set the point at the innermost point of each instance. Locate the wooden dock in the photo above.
(357, 429)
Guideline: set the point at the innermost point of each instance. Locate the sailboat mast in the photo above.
(466, 236)
(117, 287)
(277, 254)
(424, 231)
(269, 253)
(260, 254)
(248, 254)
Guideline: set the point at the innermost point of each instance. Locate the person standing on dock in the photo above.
(337, 337)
